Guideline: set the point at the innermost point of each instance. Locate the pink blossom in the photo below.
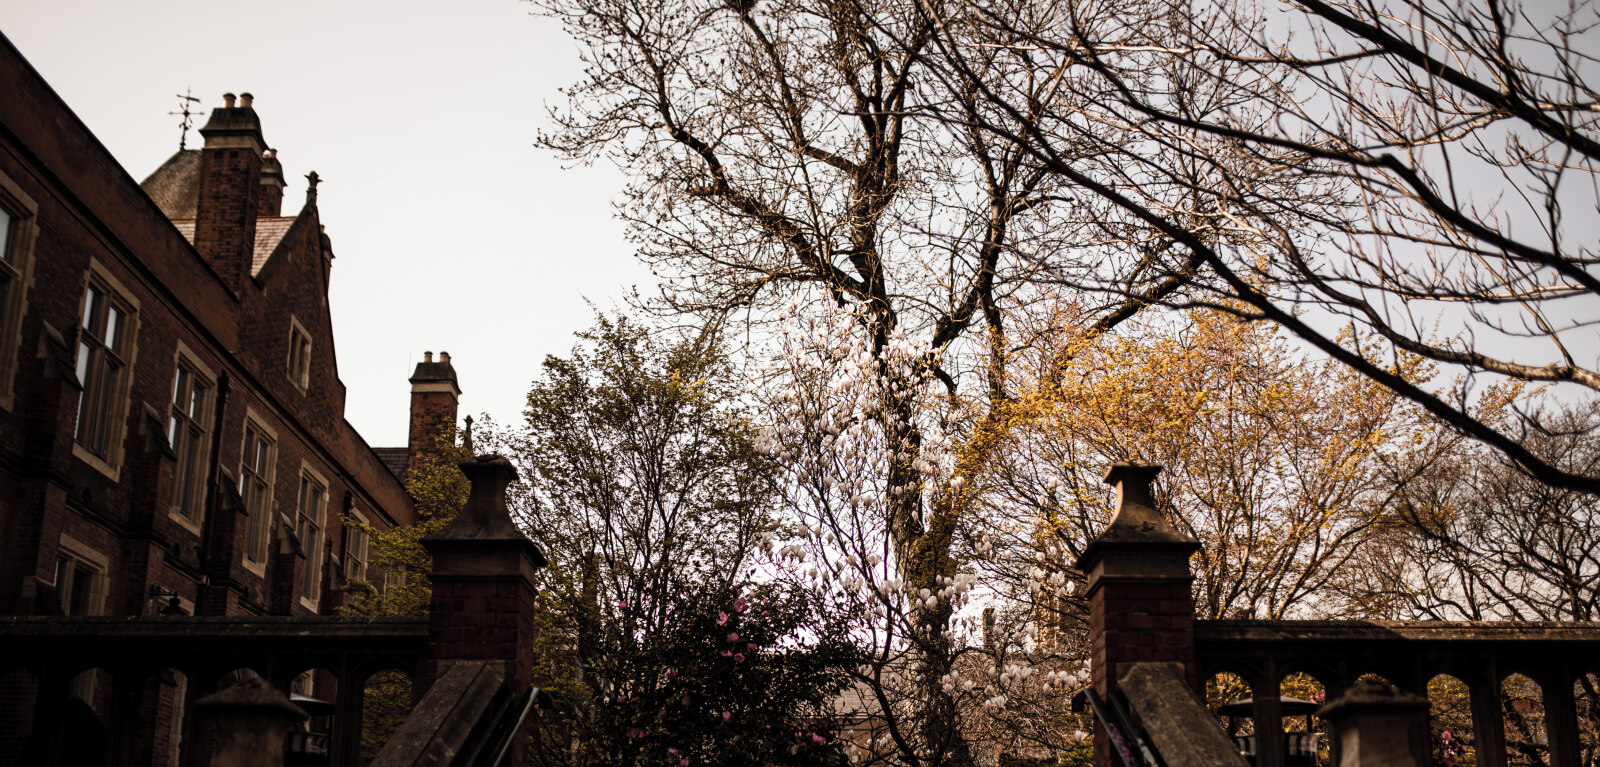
(738, 657)
(819, 739)
(1445, 735)
(722, 618)
(727, 715)
(684, 762)
(672, 750)
(671, 673)
(734, 637)
(750, 646)
(623, 605)
(727, 653)
(739, 605)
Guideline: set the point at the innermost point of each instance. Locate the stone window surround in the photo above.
(99, 276)
(24, 231)
(365, 551)
(185, 357)
(299, 374)
(314, 549)
(254, 564)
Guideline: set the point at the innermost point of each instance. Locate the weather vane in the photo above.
(185, 99)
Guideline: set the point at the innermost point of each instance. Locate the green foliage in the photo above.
(645, 482)
(438, 489)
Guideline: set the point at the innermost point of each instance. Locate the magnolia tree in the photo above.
(780, 158)
(825, 393)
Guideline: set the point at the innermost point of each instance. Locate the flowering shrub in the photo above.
(732, 679)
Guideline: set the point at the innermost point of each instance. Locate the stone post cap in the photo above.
(251, 694)
(1370, 696)
(485, 519)
(1136, 525)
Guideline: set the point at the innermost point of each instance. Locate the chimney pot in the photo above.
(427, 356)
(227, 100)
(245, 99)
(444, 357)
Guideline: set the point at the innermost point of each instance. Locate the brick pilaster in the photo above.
(483, 595)
(1141, 607)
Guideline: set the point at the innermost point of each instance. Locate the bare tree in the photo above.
(1477, 538)
(778, 159)
(1420, 173)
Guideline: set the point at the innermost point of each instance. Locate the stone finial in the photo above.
(1136, 505)
(485, 515)
(1136, 524)
(312, 179)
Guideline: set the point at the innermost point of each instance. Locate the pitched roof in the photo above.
(269, 232)
(175, 186)
(394, 458)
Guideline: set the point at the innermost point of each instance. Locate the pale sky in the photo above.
(452, 231)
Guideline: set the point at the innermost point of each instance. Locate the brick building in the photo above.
(172, 432)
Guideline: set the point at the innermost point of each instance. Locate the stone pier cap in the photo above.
(1138, 542)
(482, 540)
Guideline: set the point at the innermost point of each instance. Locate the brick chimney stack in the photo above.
(271, 185)
(434, 398)
(230, 190)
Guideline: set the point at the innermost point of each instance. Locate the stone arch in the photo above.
(1225, 687)
(1526, 730)
(387, 697)
(1307, 738)
(1586, 700)
(1451, 732)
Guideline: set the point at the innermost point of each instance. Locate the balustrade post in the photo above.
(1141, 607)
(1267, 713)
(483, 593)
(1561, 718)
(1488, 724)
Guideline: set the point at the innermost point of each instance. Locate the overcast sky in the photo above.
(452, 231)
